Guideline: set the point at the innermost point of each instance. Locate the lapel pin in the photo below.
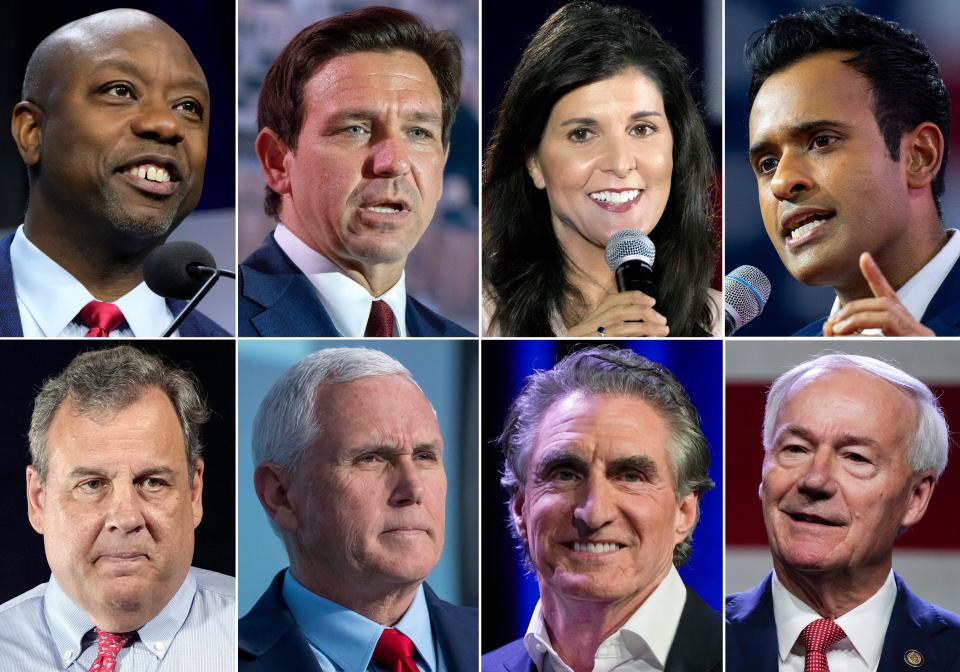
(913, 658)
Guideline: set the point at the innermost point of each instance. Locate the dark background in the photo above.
(508, 595)
(26, 364)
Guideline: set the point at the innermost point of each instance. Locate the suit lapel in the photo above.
(943, 313)
(9, 312)
(270, 638)
(454, 637)
(752, 630)
(698, 643)
(909, 635)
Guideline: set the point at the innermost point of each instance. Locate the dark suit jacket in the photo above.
(914, 625)
(697, 646)
(196, 324)
(270, 640)
(942, 315)
(276, 299)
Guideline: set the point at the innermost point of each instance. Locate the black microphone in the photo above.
(182, 270)
(745, 293)
(630, 254)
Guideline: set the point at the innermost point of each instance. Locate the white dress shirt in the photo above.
(865, 626)
(640, 645)
(346, 301)
(49, 298)
(917, 293)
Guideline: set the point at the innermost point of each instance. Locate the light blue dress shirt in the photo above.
(44, 631)
(343, 640)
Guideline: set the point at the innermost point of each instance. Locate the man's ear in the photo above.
(36, 499)
(196, 494)
(536, 173)
(27, 129)
(272, 152)
(273, 484)
(516, 511)
(922, 148)
(922, 490)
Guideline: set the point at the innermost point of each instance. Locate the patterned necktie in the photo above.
(108, 646)
(818, 638)
(380, 322)
(100, 317)
(394, 652)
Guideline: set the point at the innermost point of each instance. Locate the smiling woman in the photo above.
(597, 133)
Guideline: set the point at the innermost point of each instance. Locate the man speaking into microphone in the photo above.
(849, 135)
(112, 127)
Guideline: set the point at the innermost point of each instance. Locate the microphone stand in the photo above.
(215, 274)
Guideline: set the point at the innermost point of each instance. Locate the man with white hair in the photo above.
(853, 450)
(349, 469)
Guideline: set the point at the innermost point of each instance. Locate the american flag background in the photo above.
(927, 556)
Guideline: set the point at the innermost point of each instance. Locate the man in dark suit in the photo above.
(354, 117)
(605, 463)
(350, 472)
(115, 148)
(849, 134)
(853, 449)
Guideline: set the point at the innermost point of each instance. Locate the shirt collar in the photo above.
(348, 638)
(347, 301)
(917, 293)
(648, 632)
(865, 625)
(69, 623)
(53, 297)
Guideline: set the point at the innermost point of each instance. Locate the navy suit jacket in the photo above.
(276, 299)
(914, 625)
(270, 639)
(697, 646)
(942, 315)
(196, 324)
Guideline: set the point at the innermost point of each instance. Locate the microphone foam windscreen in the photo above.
(166, 270)
(747, 291)
(628, 244)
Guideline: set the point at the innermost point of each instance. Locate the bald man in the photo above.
(113, 131)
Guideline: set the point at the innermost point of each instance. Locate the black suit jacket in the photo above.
(942, 315)
(270, 639)
(276, 299)
(196, 324)
(915, 625)
(697, 646)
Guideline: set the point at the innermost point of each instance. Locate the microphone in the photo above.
(182, 270)
(630, 254)
(745, 293)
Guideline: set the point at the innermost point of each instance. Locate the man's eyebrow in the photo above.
(155, 471)
(802, 128)
(634, 462)
(557, 457)
(846, 439)
(82, 472)
(589, 121)
(186, 80)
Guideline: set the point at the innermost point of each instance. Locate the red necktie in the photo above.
(380, 322)
(108, 646)
(394, 652)
(101, 318)
(818, 638)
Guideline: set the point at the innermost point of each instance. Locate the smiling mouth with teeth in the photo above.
(150, 172)
(595, 548)
(801, 231)
(615, 197)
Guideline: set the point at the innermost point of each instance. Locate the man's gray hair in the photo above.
(101, 382)
(927, 450)
(608, 370)
(289, 421)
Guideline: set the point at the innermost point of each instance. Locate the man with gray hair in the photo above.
(605, 464)
(349, 469)
(115, 489)
(853, 448)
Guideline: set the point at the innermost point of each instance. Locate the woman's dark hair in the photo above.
(905, 80)
(525, 269)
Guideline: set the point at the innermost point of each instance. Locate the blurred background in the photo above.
(442, 271)
(510, 594)
(928, 554)
(793, 305)
(446, 370)
(28, 363)
(208, 27)
(693, 27)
